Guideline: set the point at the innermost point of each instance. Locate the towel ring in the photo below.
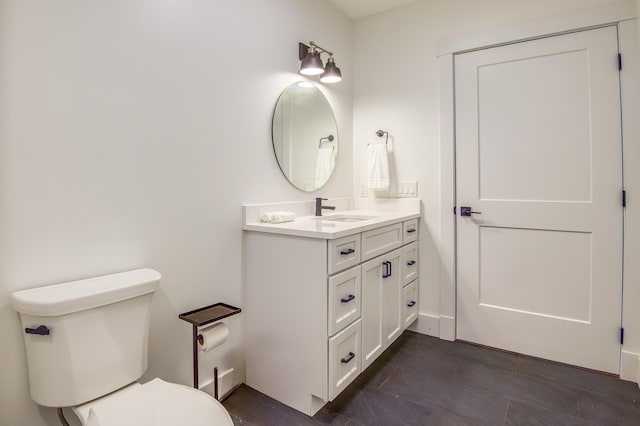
(326, 138)
(381, 133)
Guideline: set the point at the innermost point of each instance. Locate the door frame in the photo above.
(624, 15)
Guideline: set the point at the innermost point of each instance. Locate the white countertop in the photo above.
(323, 227)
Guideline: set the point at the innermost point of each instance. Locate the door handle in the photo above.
(466, 211)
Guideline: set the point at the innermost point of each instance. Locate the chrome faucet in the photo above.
(319, 206)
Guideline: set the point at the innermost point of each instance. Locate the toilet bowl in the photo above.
(86, 343)
(156, 403)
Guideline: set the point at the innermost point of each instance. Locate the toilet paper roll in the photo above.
(213, 337)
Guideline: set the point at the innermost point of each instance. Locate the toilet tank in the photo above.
(86, 338)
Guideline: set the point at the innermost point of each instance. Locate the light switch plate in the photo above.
(408, 189)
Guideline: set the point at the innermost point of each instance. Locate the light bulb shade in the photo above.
(311, 64)
(331, 73)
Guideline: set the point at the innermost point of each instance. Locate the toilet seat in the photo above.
(155, 403)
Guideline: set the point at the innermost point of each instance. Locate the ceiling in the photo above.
(356, 9)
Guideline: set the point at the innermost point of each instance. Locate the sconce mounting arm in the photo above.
(303, 49)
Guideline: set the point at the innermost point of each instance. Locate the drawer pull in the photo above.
(411, 304)
(386, 272)
(410, 231)
(411, 262)
(348, 358)
(43, 330)
(347, 299)
(347, 251)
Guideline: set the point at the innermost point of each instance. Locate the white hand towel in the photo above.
(277, 217)
(378, 166)
(324, 165)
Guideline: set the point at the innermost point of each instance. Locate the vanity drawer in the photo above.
(410, 262)
(409, 304)
(344, 299)
(381, 240)
(343, 253)
(344, 359)
(410, 230)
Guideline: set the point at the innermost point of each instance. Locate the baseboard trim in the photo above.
(630, 366)
(435, 325)
(447, 328)
(426, 324)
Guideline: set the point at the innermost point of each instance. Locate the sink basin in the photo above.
(345, 217)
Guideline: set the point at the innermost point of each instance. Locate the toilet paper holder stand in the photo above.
(199, 318)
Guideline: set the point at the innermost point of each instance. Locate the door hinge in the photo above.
(621, 336)
(624, 198)
(619, 61)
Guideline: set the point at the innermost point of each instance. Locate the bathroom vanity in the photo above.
(324, 298)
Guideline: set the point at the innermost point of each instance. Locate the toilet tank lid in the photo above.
(74, 296)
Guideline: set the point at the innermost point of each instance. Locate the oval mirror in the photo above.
(305, 136)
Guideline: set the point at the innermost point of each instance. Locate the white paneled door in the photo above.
(538, 157)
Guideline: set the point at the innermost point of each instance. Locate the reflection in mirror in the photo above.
(305, 136)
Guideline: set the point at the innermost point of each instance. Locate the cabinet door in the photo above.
(392, 296)
(380, 308)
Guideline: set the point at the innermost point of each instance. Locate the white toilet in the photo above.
(86, 344)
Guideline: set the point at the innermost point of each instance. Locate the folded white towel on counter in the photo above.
(378, 176)
(277, 217)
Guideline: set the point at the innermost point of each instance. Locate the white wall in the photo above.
(131, 132)
(396, 88)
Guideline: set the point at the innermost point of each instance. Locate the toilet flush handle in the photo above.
(43, 330)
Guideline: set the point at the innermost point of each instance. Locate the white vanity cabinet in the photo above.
(319, 311)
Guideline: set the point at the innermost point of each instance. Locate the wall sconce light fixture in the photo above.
(311, 63)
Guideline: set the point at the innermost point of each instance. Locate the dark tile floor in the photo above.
(422, 380)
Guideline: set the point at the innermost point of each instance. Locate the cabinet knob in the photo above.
(348, 358)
